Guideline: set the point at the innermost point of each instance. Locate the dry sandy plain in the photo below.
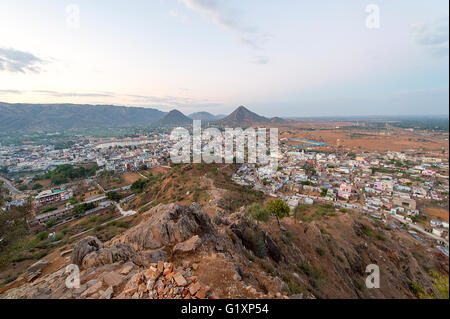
(340, 134)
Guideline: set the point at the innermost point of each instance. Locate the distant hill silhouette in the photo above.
(174, 118)
(205, 116)
(56, 117)
(277, 120)
(242, 116)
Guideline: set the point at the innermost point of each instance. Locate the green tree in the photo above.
(51, 223)
(41, 236)
(37, 186)
(115, 196)
(139, 185)
(277, 208)
(82, 208)
(257, 212)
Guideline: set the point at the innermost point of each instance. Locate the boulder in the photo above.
(134, 282)
(153, 256)
(92, 289)
(108, 293)
(188, 245)
(84, 247)
(113, 279)
(109, 255)
(37, 266)
(127, 268)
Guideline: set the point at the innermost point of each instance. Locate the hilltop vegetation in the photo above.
(197, 183)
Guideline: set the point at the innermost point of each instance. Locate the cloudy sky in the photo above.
(284, 57)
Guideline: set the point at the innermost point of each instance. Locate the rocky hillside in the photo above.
(179, 251)
(244, 117)
(174, 118)
(278, 120)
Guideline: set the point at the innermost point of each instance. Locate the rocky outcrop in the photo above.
(167, 225)
(160, 280)
(84, 247)
(90, 252)
(109, 255)
(35, 270)
(164, 226)
(273, 249)
(256, 240)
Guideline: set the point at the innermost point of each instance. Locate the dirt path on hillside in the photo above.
(215, 194)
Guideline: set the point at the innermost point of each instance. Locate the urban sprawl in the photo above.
(387, 186)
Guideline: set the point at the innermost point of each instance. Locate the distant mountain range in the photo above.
(55, 117)
(240, 117)
(206, 116)
(58, 117)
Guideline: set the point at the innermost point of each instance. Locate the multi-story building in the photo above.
(50, 196)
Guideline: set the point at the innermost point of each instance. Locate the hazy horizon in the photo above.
(282, 58)
(337, 116)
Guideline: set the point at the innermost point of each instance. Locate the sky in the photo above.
(278, 58)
